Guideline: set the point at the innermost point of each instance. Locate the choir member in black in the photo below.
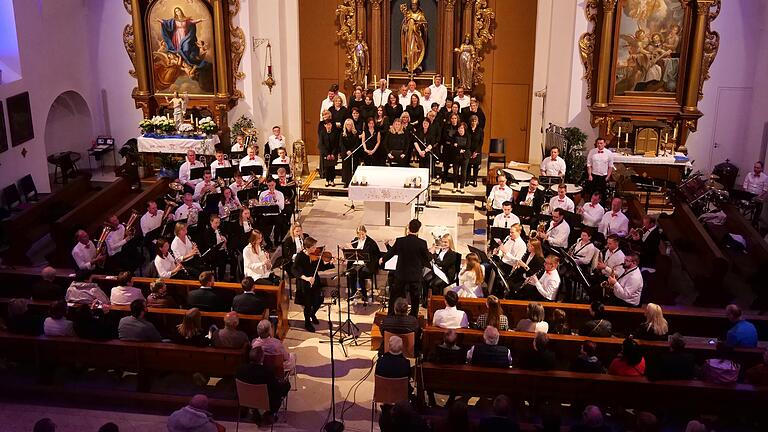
(382, 121)
(373, 149)
(446, 145)
(475, 149)
(350, 140)
(425, 140)
(534, 259)
(408, 126)
(397, 145)
(326, 117)
(434, 116)
(307, 264)
(339, 112)
(415, 110)
(461, 154)
(357, 99)
(327, 144)
(393, 109)
(357, 119)
(444, 114)
(444, 257)
(358, 272)
(368, 109)
(212, 238)
(473, 109)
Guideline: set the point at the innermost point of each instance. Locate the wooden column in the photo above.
(376, 48)
(466, 22)
(140, 50)
(360, 16)
(446, 66)
(604, 60)
(221, 40)
(697, 55)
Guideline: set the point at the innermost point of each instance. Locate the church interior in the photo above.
(395, 215)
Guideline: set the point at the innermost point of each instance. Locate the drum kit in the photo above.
(701, 192)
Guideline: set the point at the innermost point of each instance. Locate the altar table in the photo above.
(204, 146)
(386, 200)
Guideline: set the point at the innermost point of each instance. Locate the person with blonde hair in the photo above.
(256, 263)
(655, 326)
(471, 278)
(494, 317)
(535, 322)
(444, 258)
(533, 258)
(350, 141)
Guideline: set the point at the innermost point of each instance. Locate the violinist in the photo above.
(359, 271)
(293, 243)
(307, 264)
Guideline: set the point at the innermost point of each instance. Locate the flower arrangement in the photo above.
(163, 124)
(186, 129)
(207, 126)
(146, 126)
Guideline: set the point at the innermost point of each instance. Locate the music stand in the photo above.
(249, 170)
(273, 167)
(484, 259)
(352, 255)
(245, 195)
(212, 202)
(499, 233)
(550, 180)
(570, 263)
(197, 173)
(225, 172)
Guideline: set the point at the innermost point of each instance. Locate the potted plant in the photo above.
(575, 156)
(146, 126)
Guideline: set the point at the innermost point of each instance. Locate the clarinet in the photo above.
(183, 269)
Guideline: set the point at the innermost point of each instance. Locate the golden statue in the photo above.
(413, 36)
(360, 59)
(467, 60)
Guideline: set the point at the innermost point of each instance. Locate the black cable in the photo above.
(356, 386)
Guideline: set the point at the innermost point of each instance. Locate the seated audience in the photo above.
(501, 420)
(46, 288)
(457, 419)
(194, 417)
(206, 298)
(535, 322)
(124, 293)
(490, 353)
(270, 345)
(249, 302)
(598, 326)
(401, 417)
(401, 323)
(630, 361)
(743, 333)
(695, 426)
(94, 322)
(159, 297)
(230, 336)
(540, 357)
(587, 360)
(559, 323)
(722, 369)
(393, 364)
(190, 331)
(135, 327)
(82, 292)
(673, 365)
(44, 425)
(591, 421)
(109, 427)
(21, 320)
(57, 324)
(254, 372)
(494, 317)
(646, 422)
(655, 326)
(450, 317)
(758, 375)
(448, 352)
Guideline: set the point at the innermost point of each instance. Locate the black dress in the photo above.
(461, 159)
(339, 115)
(309, 296)
(327, 144)
(396, 145)
(416, 113)
(367, 111)
(475, 146)
(393, 112)
(370, 138)
(348, 144)
(446, 147)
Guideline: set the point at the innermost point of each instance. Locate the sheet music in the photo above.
(391, 264)
(439, 273)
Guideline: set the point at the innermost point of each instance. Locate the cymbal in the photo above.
(714, 185)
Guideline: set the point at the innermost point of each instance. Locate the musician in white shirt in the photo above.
(117, 238)
(238, 184)
(206, 186)
(543, 288)
(182, 247)
(599, 166)
(627, 288)
(84, 252)
(239, 145)
(506, 218)
(611, 261)
(252, 159)
(500, 193)
(756, 182)
(256, 263)
(561, 200)
(186, 168)
(381, 94)
(461, 98)
(152, 219)
(592, 212)
(513, 247)
(220, 162)
(614, 221)
(403, 97)
(166, 265)
(273, 220)
(182, 212)
(559, 230)
(275, 141)
(554, 165)
(281, 157)
(439, 91)
(584, 251)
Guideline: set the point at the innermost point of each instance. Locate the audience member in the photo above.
(230, 336)
(57, 324)
(490, 353)
(655, 326)
(254, 372)
(21, 320)
(591, 421)
(393, 364)
(501, 420)
(540, 357)
(109, 427)
(401, 417)
(190, 331)
(695, 426)
(270, 345)
(205, 298)
(124, 293)
(194, 417)
(646, 422)
(82, 292)
(135, 327)
(159, 297)
(630, 361)
(249, 302)
(450, 317)
(44, 425)
(758, 375)
(94, 322)
(673, 365)
(401, 322)
(46, 288)
(448, 352)
(494, 317)
(587, 360)
(722, 369)
(457, 419)
(535, 322)
(598, 326)
(559, 322)
(743, 333)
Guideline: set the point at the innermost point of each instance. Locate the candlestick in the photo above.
(168, 116)
(366, 82)
(451, 84)
(626, 138)
(666, 137)
(375, 81)
(387, 80)
(619, 130)
(674, 133)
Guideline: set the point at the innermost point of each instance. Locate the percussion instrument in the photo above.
(518, 175)
(523, 185)
(570, 188)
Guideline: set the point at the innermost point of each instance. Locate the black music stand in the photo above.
(249, 170)
(212, 202)
(494, 267)
(352, 255)
(574, 267)
(499, 233)
(197, 173)
(225, 172)
(550, 180)
(245, 195)
(273, 167)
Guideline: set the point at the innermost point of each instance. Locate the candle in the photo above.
(168, 116)
(674, 133)
(451, 84)
(387, 80)
(366, 82)
(666, 137)
(619, 130)
(626, 138)
(375, 81)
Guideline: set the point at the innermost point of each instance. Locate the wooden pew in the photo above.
(566, 347)
(604, 390)
(24, 228)
(689, 321)
(754, 262)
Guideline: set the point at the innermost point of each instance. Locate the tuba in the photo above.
(300, 166)
(130, 226)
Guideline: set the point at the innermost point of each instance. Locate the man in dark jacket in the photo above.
(249, 302)
(677, 364)
(540, 357)
(412, 256)
(401, 322)
(206, 298)
(489, 353)
(393, 363)
(501, 419)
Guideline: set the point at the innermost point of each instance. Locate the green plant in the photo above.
(242, 122)
(575, 156)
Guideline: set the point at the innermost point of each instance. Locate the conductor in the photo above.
(412, 256)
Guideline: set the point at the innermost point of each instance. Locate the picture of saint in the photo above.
(413, 36)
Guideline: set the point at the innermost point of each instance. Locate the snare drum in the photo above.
(570, 188)
(518, 175)
(521, 186)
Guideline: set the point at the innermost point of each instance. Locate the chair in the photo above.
(12, 199)
(275, 363)
(255, 396)
(28, 188)
(409, 343)
(388, 391)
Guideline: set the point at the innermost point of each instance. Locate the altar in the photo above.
(178, 145)
(386, 199)
(668, 168)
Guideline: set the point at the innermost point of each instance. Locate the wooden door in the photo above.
(509, 118)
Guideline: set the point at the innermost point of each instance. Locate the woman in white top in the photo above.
(184, 250)
(166, 265)
(471, 278)
(228, 203)
(584, 251)
(57, 324)
(256, 263)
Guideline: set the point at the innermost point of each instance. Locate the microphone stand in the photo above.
(333, 425)
(351, 207)
(432, 156)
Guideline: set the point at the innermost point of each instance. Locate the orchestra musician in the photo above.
(184, 210)
(592, 212)
(350, 140)
(445, 258)
(614, 221)
(185, 171)
(185, 250)
(122, 250)
(166, 265)
(599, 166)
(328, 143)
(544, 287)
(205, 187)
(554, 165)
(584, 251)
(152, 219)
(85, 254)
(506, 218)
(273, 221)
(530, 264)
(239, 145)
(374, 151)
(220, 162)
(626, 289)
(213, 240)
(511, 249)
(413, 256)
(289, 192)
(238, 184)
(252, 159)
(471, 278)
(293, 243)
(359, 271)
(532, 196)
(645, 241)
(610, 261)
(256, 262)
(281, 157)
(241, 231)
(558, 231)
(396, 145)
(461, 153)
(228, 203)
(274, 142)
(308, 262)
(561, 200)
(500, 193)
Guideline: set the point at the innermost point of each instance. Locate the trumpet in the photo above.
(208, 190)
(639, 232)
(541, 231)
(178, 187)
(545, 209)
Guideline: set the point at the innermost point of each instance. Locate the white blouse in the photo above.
(469, 287)
(181, 248)
(165, 266)
(256, 264)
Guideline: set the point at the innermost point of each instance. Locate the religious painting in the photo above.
(3, 136)
(20, 119)
(413, 36)
(182, 47)
(649, 44)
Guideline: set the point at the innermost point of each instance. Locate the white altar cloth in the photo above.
(178, 145)
(385, 184)
(642, 160)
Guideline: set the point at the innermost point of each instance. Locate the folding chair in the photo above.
(388, 391)
(255, 396)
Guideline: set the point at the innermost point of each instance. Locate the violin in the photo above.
(325, 255)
